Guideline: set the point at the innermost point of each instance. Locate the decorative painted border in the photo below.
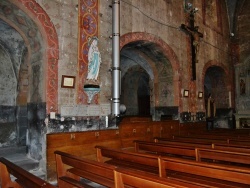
(49, 30)
(87, 27)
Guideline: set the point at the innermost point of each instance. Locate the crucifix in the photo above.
(195, 40)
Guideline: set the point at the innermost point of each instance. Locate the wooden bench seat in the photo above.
(121, 158)
(127, 177)
(164, 149)
(201, 140)
(209, 174)
(183, 143)
(239, 142)
(232, 147)
(22, 177)
(215, 139)
(236, 147)
(70, 170)
(230, 157)
(217, 136)
(200, 154)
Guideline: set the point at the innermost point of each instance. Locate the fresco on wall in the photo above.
(211, 14)
(87, 28)
(8, 83)
(243, 86)
(166, 97)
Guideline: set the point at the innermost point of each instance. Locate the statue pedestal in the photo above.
(91, 92)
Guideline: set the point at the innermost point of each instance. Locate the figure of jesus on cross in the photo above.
(196, 38)
(196, 35)
(193, 31)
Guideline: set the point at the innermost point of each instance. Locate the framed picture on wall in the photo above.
(68, 81)
(186, 93)
(200, 94)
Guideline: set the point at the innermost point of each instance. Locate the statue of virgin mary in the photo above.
(94, 59)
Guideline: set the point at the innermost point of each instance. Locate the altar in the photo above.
(242, 119)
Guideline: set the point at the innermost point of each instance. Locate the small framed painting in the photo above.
(68, 81)
(186, 93)
(200, 94)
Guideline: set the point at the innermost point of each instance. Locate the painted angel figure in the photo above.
(94, 59)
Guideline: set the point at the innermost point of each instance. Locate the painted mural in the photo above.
(87, 28)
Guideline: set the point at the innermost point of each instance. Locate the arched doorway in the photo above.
(136, 92)
(147, 80)
(34, 60)
(216, 84)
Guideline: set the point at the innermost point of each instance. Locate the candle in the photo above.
(229, 98)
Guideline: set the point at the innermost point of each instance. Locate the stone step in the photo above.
(8, 151)
(18, 156)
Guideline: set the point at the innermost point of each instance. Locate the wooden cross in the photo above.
(195, 41)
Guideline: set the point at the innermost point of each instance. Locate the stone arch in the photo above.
(226, 76)
(35, 12)
(212, 63)
(167, 50)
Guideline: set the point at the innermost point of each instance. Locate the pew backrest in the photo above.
(129, 159)
(223, 156)
(201, 140)
(70, 168)
(231, 147)
(22, 177)
(164, 149)
(183, 143)
(127, 177)
(230, 174)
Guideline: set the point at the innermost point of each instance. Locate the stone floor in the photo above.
(18, 156)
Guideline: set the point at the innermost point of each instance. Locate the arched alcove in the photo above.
(35, 66)
(145, 66)
(216, 85)
(135, 93)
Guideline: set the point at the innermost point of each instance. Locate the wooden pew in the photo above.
(200, 154)
(218, 136)
(232, 147)
(239, 142)
(120, 158)
(183, 143)
(23, 178)
(230, 139)
(237, 158)
(201, 140)
(204, 173)
(222, 140)
(236, 147)
(71, 168)
(164, 149)
(127, 177)
(224, 132)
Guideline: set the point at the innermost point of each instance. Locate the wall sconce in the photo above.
(186, 93)
(200, 95)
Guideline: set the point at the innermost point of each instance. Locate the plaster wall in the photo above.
(158, 17)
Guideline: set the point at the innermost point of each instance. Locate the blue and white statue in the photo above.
(94, 59)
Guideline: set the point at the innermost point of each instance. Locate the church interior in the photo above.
(79, 78)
